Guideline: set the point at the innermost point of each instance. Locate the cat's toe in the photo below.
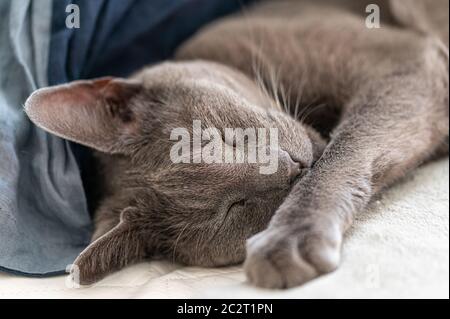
(281, 258)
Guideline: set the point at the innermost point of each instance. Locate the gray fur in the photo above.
(378, 96)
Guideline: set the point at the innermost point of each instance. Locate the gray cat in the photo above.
(355, 108)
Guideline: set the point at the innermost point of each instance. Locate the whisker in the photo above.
(310, 111)
(174, 247)
(222, 223)
(198, 244)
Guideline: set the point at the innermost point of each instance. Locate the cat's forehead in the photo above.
(169, 73)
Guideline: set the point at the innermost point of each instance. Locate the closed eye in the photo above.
(239, 204)
(205, 142)
(235, 205)
(234, 140)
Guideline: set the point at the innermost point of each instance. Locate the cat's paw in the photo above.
(284, 257)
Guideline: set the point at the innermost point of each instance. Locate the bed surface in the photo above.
(398, 248)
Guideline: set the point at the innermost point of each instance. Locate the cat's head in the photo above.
(174, 202)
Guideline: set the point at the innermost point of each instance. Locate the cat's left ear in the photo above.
(97, 113)
(123, 245)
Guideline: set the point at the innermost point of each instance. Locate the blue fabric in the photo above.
(117, 37)
(43, 221)
(44, 218)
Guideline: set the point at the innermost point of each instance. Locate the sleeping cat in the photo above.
(355, 109)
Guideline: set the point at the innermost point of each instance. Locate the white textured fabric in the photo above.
(398, 248)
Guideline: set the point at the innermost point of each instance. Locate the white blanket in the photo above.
(398, 248)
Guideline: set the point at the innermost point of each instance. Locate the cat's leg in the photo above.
(107, 216)
(390, 126)
(120, 246)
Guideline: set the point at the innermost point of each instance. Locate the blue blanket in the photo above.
(44, 217)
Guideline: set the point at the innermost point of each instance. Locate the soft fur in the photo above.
(356, 109)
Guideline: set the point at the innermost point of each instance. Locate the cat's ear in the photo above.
(96, 113)
(123, 245)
